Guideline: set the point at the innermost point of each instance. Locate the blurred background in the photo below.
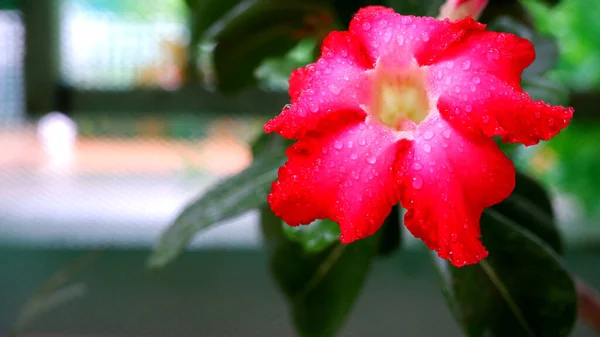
(108, 128)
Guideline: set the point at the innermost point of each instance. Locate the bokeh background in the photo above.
(104, 138)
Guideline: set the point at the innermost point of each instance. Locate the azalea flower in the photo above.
(402, 109)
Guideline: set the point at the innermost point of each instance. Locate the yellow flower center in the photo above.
(399, 97)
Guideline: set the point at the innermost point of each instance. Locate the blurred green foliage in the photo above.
(575, 24)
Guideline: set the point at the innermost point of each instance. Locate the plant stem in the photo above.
(589, 305)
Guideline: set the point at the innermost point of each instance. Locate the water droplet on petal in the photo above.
(334, 89)
(353, 156)
(537, 115)
(338, 145)
(466, 65)
(425, 36)
(355, 175)
(400, 40)
(428, 134)
(417, 166)
(417, 182)
(427, 148)
(362, 142)
(453, 237)
(446, 134)
(371, 159)
(366, 26)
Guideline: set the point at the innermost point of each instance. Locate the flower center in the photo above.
(399, 98)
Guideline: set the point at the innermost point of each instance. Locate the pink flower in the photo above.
(459, 9)
(401, 109)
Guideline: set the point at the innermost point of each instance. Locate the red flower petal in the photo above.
(344, 175)
(333, 83)
(446, 180)
(392, 38)
(478, 87)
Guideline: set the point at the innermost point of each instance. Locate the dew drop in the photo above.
(417, 182)
(355, 175)
(453, 237)
(324, 150)
(428, 135)
(425, 36)
(466, 65)
(371, 160)
(334, 89)
(427, 148)
(287, 106)
(353, 156)
(366, 26)
(387, 36)
(301, 112)
(446, 134)
(314, 107)
(349, 144)
(537, 115)
(417, 166)
(400, 40)
(362, 142)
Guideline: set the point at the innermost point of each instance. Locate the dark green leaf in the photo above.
(529, 206)
(233, 196)
(204, 13)
(255, 31)
(321, 287)
(391, 233)
(520, 289)
(270, 144)
(346, 9)
(543, 89)
(416, 7)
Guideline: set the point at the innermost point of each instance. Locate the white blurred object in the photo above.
(57, 134)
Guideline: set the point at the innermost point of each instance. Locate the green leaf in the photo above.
(543, 89)
(245, 191)
(321, 287)
(270, 144)
(204, 13)
(346, 9)
(314, 237)
(254, 31)
(529, 206)
(520, 289)
(391, 233)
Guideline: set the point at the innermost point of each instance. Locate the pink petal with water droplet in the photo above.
(481, 92)
(329, 90)
(396, 39)
(446, 193)
(326, 178)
